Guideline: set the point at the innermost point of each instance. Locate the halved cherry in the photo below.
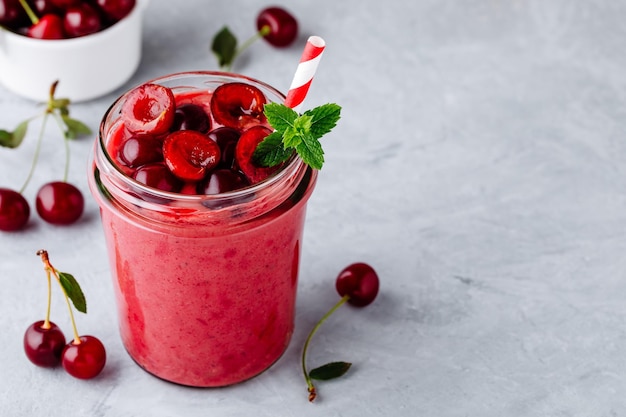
(244, 150)
(149, 108)
(190, 154)
(238, 105)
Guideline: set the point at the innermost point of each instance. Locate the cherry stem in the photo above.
(36, 154)
(50, 269)
(46, 323)
(66, 143)
(307, 378)
(265, 30)
(29, 11)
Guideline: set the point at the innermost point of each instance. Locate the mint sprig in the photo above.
(294, 132)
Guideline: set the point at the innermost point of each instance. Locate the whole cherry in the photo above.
(116, 10)
(80, 20)
(84, 358)
(12, 14)
(359, 282)
(60, 203)
(191, 116)
(278, 26)
(43, 343)
(50, 26)
(14, 210)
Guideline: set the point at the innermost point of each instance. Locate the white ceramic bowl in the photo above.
(86, 67)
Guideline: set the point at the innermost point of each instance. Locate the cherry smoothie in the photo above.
(204, 246)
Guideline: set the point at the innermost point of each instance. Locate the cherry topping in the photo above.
(359, 282)
(43, 346)
(157, 176)
(49, 26)
(116, 9)
(191, 116)
(81, 20)
(140, 150)
(238, 105)
(14, 210)
(226, 138)
(244, 150)
(190, 154)
(149, 108)
(84, 360)
(283, 27)
(223, 180)
(60, 203)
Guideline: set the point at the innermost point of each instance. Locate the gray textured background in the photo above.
(478, 166)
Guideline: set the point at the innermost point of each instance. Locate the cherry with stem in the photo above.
(274, 24)
(57, 202)
(85, 356)
(358, 285)
(43, 340)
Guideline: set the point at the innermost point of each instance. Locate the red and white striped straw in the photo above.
(301, 82)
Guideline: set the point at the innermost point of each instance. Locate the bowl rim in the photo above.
(69, 42)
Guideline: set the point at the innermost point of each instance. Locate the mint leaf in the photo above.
(271, 151)
(292, 137)
(280, 116)
(331, 370)
(323, 118)
(299, 132)
(73, 291)
(75, 127)
(311, 152)
(224, 47)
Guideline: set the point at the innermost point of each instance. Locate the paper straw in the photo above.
(301, 82)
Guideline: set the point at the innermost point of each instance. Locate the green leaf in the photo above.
(224, 47)
(311, 152)
(73, 291)
(331, 370)
(6, 138)
(280, 116)
(15, 138)
(271, 151)
(293, 135)
(75, 127)
(323, 118)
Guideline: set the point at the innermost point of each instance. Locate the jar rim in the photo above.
(292, 166)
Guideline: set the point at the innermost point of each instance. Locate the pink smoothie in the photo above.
(205, 286)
